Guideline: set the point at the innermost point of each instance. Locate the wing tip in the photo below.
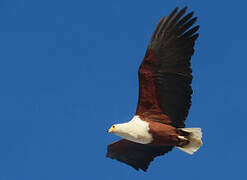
(184, 9)
(176, 9)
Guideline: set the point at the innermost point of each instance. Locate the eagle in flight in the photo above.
(165, 91)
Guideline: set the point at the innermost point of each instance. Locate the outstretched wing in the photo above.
(165, 74)
(136, 155)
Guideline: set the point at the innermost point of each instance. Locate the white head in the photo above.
(135, 130)
(119, 129)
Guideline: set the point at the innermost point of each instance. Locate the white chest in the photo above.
(135, 130)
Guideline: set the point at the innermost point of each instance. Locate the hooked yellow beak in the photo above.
(111, 129)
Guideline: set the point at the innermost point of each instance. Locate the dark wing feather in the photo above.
(136, 155)
(165, 74)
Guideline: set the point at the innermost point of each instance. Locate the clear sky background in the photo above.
(68, 70)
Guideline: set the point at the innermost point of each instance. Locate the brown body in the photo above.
(163, 134)
(166, 135)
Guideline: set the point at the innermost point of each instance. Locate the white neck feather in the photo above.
(135, 130)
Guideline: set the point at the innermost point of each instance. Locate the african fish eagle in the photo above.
(164, 100)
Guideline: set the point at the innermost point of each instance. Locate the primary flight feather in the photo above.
(165, 77)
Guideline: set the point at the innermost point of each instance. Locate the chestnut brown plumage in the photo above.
(165, 89)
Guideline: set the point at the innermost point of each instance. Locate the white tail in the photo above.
(194, 138)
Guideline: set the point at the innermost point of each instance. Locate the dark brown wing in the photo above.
(165, 74)
(136, 155)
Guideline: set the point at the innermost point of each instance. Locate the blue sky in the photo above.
(68, 70)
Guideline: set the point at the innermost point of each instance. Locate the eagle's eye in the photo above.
(113, 126)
